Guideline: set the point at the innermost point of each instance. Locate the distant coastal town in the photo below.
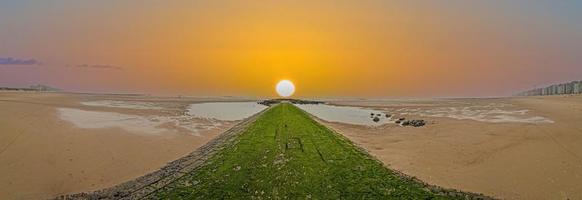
(574, 87)
(39, 87)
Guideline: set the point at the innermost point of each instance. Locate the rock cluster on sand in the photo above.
(414, 122)
(376, 119)
(376, 116)
(399, 121)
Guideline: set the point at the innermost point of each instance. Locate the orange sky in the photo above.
(328, 48)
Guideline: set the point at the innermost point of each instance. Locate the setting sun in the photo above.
(317, 99)
(285, 88)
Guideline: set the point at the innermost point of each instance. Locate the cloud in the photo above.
(99, 66)
(16, 61)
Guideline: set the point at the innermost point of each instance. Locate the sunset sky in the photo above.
(330, 48)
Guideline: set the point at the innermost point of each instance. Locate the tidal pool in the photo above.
(123, 104)
(149, 125)
(346, 114)
(227, 111)
(99, 119)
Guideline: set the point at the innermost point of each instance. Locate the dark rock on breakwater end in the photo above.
(270, 102)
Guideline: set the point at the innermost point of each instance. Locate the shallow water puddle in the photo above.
(227, 111)
(98, 119)
(201, 116)
(150, 125)
(346, 114)
(122, 104)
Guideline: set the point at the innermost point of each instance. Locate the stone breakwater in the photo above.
(143, 187)
(574, 87)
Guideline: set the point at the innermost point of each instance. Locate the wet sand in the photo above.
(507, 160)
(43, 156)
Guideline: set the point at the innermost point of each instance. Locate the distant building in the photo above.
(574, 87)
(43, 88)
(578, 87)
(39, 88)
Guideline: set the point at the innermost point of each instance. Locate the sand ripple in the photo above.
(494, 113)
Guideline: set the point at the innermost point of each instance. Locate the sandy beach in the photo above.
(511, 148)
(57, 143)
(529, 150)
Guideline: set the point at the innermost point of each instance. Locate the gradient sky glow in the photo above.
(407, 48)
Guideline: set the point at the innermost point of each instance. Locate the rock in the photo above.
(388, 115)
(402, 119)
(376, 119)
(397, 121)
(414, 123)
(417, 123)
